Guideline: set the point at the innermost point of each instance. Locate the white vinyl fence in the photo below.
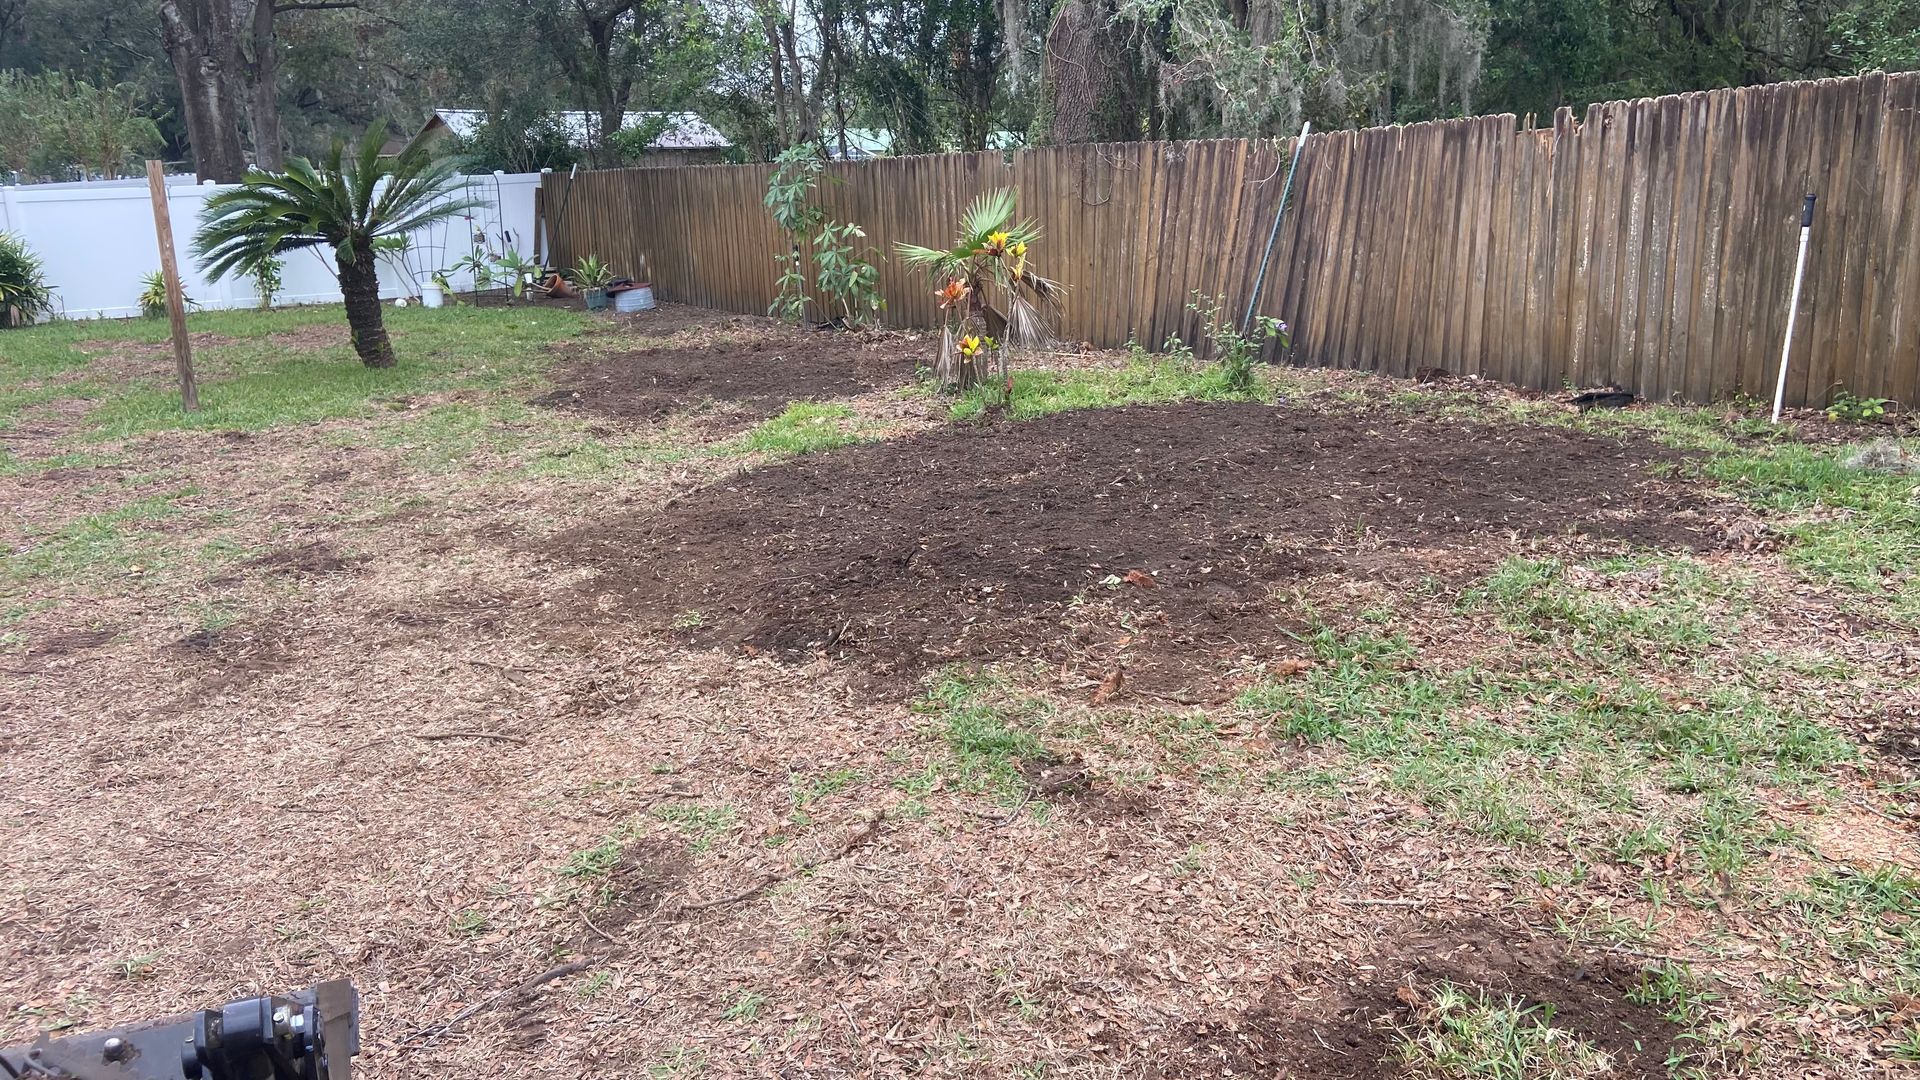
(97, 242)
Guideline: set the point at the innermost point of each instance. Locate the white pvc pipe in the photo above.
(1793, 307)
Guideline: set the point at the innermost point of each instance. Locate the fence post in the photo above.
(176, 303)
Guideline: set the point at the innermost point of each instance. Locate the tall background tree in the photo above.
(234, 82)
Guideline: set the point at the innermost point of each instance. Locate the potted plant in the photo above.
(591, 277)
(517, 271)
(435, 292)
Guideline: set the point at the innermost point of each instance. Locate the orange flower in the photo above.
(952, 293)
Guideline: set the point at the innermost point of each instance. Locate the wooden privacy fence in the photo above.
(1649, 246)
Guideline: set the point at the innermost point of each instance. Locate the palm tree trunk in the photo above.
(360, 286)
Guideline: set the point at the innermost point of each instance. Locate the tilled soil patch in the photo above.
(1350, 1029)
(751, 377)
(1148, 538)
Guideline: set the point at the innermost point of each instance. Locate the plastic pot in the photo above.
(596, 299)
(431, 296)
(636, 298)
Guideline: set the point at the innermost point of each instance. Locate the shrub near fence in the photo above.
(1650, 245)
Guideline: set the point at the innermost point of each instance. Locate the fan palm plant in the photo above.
(993, 300)
(351, 199)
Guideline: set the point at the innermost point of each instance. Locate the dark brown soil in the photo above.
(304, 560)
(235, 654)
(1018, 539)
(649, 871)
(1346, 1027)
(750, 377)
(69, 642)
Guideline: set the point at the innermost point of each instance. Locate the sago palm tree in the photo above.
(993, 300)
(352, 198)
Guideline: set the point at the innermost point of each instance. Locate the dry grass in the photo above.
(304, 700)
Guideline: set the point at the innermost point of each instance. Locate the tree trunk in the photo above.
(199, 40)
(263, 99)
(1088, 91)
(360, 286)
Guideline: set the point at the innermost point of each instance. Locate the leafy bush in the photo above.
(153, 295)
(844, 272)
(590, 273)
(795, 172)
(55, 125)
(847, 274)
(24, 292)
(266, 281)
(517, 140)
(1235, 351)
(1846, 408)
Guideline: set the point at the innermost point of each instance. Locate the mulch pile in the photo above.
(1148, 537)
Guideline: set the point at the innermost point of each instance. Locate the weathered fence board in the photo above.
(1650, 244)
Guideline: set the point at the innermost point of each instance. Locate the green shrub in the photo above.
(1846, 408)
(24, 292)
(1235, 351)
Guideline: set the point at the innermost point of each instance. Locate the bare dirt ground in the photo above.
(970, 543)
(745, 370)
(652, 759)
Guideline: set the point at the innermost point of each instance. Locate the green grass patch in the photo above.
(1518, 757)
(703, 826)
(1145, 380)
(1464, 1034)
(1861, 528)
(58, 348)
(1534, 599)
(14, 466)
(1870, 917)
(1852, 527)
(253, 384)
(987, 731)
(95, 545)
(745, 1008)
(594, 863)
(578, 457)
(820, 787)
(804, 427)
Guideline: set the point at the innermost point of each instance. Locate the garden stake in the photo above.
(1286, 192)
(553, 234)
(1793, 306)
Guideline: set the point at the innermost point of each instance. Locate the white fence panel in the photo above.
(97, 242)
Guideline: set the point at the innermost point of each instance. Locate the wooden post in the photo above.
(176, 299)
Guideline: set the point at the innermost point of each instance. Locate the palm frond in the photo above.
(988, 214)
(348, 199)
(920, 258)
(1049, 293)
(1027, 325)
(935, 262)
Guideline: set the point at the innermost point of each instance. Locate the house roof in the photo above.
(684, 130)
(863, 143)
